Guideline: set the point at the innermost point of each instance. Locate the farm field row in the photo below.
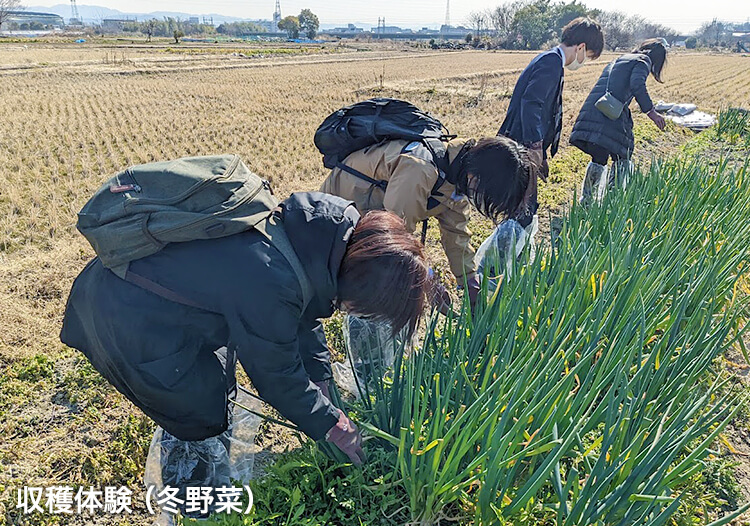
(70, 117)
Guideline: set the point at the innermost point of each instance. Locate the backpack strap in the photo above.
(159, 290)
(272, 228)
(356, 173)
(439, 154)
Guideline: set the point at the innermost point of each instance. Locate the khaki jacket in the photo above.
(411, 175)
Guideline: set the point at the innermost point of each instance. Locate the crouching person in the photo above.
(154, 333)
(490, 173)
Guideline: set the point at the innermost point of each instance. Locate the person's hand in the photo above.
(323, 386)
(345, 436)
(439, 297)
(535, 152)
(655, 116)
(473, 287)
(544, 170)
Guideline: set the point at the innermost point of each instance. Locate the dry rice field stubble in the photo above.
(70, 117)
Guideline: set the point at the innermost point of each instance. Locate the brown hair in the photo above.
(384, 275)
(584, 30)
(501, 168)
(654, 49)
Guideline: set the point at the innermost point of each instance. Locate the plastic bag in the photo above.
(371, 349)
(213, 462)
(497, 253)
(343, 375)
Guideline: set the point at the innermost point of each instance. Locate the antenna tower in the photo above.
(277, 15)
(75, 17)
(447, 13)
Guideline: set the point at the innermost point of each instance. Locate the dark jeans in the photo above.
(531, 199)
(599, 154)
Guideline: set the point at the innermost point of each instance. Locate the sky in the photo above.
(682, 15)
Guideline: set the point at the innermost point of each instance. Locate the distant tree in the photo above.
(178, 34)
(533, 25)
(643, 29)
(468, 38)
(6, 7)
(240, 29)
(711, 33)
(619, 30)
(308, 23)
(691, 43)
(148, 27)
(501, 19)
(478, 20)
(132, 27)
(290, 24)
(561, 14)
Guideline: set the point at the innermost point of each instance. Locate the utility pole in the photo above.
(75, 17)
(277, 15)
(381, 27)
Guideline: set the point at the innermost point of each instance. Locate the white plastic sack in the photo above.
(675, 108)
(696, 120)
(497, 253)
(214, 462)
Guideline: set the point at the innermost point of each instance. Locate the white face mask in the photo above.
(576, 64)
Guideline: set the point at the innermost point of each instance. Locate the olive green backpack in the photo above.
(139, 211)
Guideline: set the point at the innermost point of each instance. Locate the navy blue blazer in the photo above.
(536, 102)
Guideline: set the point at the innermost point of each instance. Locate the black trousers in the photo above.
(195, 407)
(599, 154)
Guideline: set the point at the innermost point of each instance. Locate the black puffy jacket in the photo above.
(628, 80)
(160, 354)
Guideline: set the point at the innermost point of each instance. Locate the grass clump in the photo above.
(304, 487)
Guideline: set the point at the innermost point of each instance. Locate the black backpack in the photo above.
(378, 120)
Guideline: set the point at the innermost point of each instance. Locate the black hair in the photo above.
(655, 50)
(584, 30)
(500, 168)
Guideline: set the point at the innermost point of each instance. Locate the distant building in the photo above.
(33, 20)
(350, 29)
(266, 25)
(194, 20)
(116, 24)
(458, 31)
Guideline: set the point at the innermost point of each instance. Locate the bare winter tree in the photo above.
(7, 7)
(478, 21)
(502, 18)
(148, 27)
(645, 29)
(712, 32)
(618, 28)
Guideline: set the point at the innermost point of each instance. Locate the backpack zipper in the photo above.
(184, 195)
(264, 184)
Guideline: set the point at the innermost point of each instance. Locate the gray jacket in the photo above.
(627, 81)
